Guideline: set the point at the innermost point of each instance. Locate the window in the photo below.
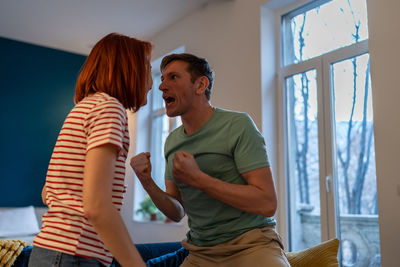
(329, 138)
(154, 127)
(161, 126)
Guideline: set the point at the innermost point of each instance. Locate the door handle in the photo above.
(328, 183)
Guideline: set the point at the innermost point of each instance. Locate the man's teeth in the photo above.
(169, 99)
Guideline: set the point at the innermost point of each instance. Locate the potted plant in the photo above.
(148, 209)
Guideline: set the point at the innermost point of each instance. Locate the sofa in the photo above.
(172, 254)
(15, 248)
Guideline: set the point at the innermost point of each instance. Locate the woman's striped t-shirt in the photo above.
(96, 120)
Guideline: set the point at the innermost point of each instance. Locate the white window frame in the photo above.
(145, 117)
(322, 65)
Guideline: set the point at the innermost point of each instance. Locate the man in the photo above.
(217, 171)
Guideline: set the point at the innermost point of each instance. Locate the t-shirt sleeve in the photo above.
(168, 163)
(106, 124)
(249, 149)
(168, 172)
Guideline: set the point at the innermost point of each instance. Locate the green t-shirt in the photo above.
(226, 146)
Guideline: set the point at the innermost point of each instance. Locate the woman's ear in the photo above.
(201, 84)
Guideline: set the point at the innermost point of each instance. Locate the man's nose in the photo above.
(162, 87)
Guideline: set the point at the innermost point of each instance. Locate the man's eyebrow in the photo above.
(169, 74)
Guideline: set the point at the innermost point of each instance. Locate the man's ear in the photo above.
(201, 84)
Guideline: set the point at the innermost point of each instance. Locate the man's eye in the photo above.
(174, 76)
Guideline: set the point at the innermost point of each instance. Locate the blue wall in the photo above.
(37, 89)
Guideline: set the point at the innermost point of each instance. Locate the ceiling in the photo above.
(76, 25)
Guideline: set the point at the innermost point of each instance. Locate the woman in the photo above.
(85, 179)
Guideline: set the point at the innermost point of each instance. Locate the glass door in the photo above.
(303, 159)
(354, 161)
(329, 143)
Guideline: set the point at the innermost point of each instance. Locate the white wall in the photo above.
(384, 44)
(227, 33)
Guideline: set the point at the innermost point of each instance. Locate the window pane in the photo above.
(160, 130)
(157, 100)
(312, 32)
(303, 160)
(355, 162)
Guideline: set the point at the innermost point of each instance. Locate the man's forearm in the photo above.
(166, 203)
(257, 196)
(249, 198)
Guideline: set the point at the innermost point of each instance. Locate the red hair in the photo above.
(119, 66)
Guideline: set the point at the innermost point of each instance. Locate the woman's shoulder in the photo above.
(101, 105)
(104, 101)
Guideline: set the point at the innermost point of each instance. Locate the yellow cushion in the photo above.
(324, 254)
(9, 251)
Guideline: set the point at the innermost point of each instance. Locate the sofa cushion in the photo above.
(324, 254)
(17, 222)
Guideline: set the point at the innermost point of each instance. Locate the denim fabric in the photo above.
(41, 257)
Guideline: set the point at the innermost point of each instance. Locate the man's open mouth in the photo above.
(169, 99)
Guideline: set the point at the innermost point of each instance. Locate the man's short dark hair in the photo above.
(197, 67)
